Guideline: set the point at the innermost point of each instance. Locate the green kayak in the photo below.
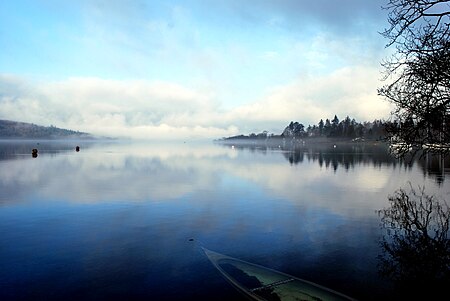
(261, 283)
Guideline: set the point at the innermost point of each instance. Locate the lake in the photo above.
(125, 221)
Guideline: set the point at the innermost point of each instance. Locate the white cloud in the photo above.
(347, 91)
(157, 109)
(138, 109)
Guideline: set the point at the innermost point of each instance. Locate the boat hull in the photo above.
(261, 283)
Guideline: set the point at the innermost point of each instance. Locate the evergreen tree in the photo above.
(321, 125)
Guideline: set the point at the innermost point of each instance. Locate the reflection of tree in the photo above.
(294, 157)
(434, 165)
(349, 155)
(416, 245)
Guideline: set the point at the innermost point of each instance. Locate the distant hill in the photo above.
(21, 130)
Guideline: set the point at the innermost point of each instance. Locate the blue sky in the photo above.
(191, 69)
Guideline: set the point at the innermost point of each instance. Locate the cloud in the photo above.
(163, 110)
(347, 91)
(133, 108)
(185, 39)
(343, 16)
(339, 15)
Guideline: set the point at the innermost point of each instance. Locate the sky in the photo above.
(190, 69)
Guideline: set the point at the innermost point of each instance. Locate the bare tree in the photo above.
(419, 74)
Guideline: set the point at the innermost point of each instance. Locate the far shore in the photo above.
(297, 142)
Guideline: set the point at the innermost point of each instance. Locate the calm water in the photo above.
(115, 220)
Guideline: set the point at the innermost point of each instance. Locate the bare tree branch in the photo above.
(419, 71)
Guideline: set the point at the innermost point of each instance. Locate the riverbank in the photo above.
(282, 142)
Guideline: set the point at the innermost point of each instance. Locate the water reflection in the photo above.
(416, 245)
(105, 172)
(16, 149)
(158, 172)
(435, 165)
(122, 213)
(347, 156)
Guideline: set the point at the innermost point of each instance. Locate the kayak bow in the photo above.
(264, 284)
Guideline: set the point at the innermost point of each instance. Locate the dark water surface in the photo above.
(114, 221)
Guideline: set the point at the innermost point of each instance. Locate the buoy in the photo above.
(77, 148)
(34, 152)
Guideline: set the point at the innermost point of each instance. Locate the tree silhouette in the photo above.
(420, 74)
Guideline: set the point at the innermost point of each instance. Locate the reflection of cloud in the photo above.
(353, 190)
(156, 172)
(113, 172)
(309, 184)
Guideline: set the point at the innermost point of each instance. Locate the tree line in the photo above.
(417, 83)
(334, 128)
